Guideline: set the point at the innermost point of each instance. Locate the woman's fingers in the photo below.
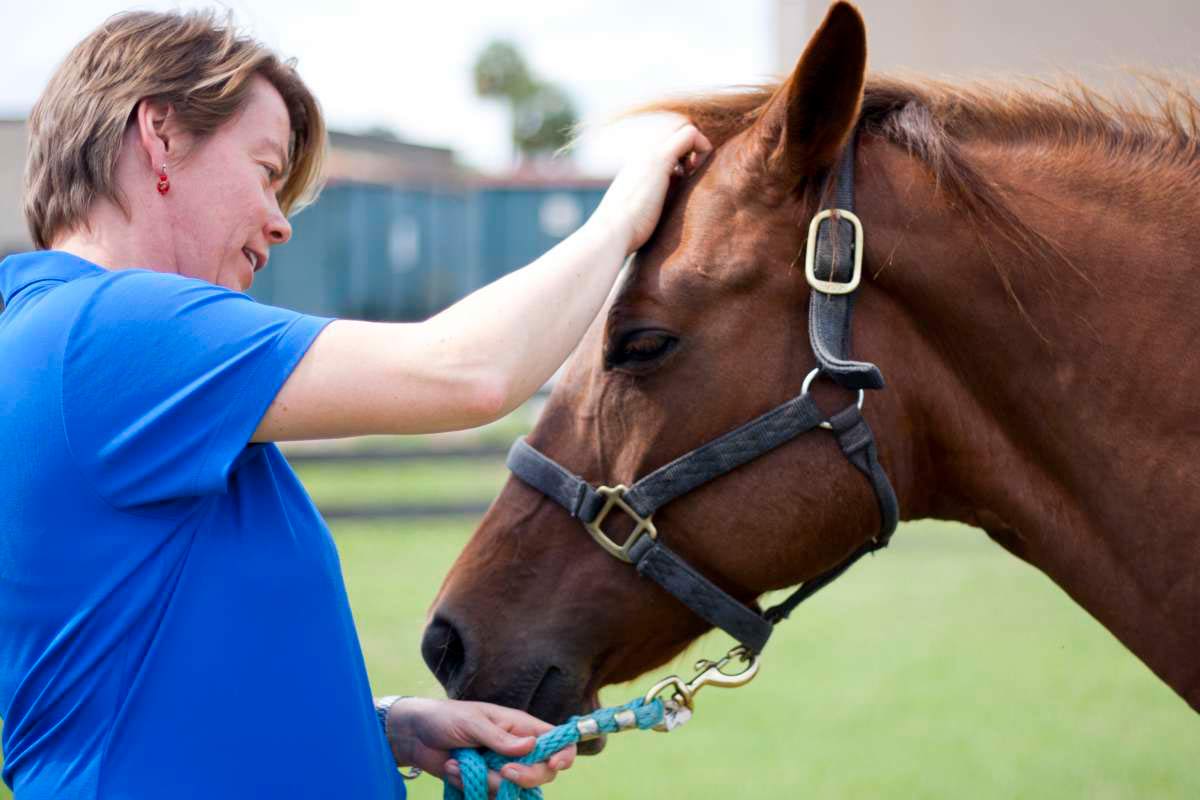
(430, 728)
(513, 733)
(634, 201)
(687, 149)
(527, 776)
(431, 760)
(563, 759)
(505, 740)
(452, 774)
(514, 722)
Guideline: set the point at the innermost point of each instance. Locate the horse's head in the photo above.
(707, 332)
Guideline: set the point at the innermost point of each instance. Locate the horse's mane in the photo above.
(924, 114)
(1154, 134)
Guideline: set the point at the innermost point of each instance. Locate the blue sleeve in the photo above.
(165, 379)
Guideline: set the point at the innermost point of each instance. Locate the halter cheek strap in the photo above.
(833, 267)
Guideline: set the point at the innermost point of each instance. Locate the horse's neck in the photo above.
(1064, 426)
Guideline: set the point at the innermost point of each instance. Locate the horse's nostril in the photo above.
(444, 651)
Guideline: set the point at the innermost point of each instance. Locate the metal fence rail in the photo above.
(403, 511)
(489, 455)
(386, 453)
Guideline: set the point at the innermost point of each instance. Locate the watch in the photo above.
(382, 706)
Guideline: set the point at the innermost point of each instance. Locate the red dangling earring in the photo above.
(164, 183)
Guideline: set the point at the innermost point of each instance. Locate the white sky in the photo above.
(407, 65)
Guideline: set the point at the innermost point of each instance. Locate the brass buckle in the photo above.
(810, 253)
(615, 496)
(708, 673)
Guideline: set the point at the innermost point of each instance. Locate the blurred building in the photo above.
(407, 250)
(13, 235)
(956, 38)
(352, 157)
(400, 231)
(384, 159)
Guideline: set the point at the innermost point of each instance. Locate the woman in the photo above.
(173, 621)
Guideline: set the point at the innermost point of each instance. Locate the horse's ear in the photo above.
(813, 113)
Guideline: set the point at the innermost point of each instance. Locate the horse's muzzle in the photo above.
(523, 678)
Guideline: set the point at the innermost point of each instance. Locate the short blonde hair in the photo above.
(196, 63)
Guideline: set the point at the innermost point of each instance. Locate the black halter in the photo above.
(833, 268)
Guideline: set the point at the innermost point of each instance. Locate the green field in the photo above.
(941, 668)
(363, 484)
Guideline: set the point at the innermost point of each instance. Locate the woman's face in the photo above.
(222, 203)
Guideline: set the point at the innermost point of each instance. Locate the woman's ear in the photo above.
(810, 118)
(154, 130)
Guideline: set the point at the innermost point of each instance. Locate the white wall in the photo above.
(971, 38)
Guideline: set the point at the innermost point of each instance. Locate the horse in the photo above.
(1030, 274)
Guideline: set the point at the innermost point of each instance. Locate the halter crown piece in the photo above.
(833, 267)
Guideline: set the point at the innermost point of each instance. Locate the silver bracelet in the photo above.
(382, 706)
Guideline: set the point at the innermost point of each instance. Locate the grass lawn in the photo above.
(447, 480)
(498, 434)
(941, 668)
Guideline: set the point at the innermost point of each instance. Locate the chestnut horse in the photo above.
(1030, 292)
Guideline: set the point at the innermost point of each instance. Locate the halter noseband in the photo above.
(833, 267)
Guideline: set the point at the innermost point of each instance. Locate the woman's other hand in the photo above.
(423, 731)
(634, 201)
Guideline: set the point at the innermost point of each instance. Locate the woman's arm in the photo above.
(489, 352)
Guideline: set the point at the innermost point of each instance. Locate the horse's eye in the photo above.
(640, 349)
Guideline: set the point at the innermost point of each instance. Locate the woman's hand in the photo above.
(423, 731)
(634, 201)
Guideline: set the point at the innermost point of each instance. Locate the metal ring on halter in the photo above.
(808, 379)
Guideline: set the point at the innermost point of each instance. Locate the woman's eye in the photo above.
(641, 347)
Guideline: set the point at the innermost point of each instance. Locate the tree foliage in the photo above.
(542, 113)
(501, 72)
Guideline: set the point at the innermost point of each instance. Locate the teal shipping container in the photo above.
(402, 253)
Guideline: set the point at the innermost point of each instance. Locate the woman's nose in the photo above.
(279, 230)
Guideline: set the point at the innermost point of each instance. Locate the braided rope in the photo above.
(475, 763)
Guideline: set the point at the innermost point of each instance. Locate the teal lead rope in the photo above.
(475, 763)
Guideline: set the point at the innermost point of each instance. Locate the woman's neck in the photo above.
(114, 238)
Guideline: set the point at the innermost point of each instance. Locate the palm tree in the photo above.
(541, 113)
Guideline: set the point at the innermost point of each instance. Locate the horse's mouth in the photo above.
(592, 747)
(551, 701)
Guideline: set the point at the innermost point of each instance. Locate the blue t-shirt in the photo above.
(173, 621)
